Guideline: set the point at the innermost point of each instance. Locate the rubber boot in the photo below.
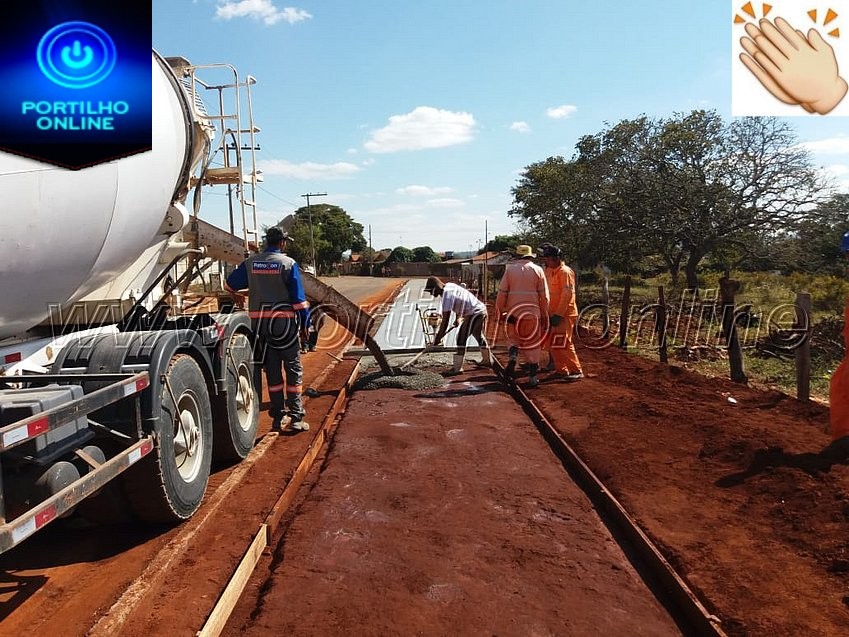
(513, 353)
(533, 381)
(458, 365)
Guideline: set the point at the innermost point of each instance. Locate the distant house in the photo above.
(468, 271)
(359, 264)
(490, 258)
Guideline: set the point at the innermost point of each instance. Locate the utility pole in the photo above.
(309, 215)
(370, 252)
(485, 262)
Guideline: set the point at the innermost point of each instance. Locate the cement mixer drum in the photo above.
(64, 233)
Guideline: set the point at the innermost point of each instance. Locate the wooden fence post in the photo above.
(727, 289)
(660, 325)
(803, 352)
(605, 301)
(626, 313)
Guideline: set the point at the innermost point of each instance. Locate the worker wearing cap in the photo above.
(470, 316)
(562, 315)
(838, 396)
(523, 300)
(279, 313)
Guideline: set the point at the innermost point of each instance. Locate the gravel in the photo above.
(409, 378)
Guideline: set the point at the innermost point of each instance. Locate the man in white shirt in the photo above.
(471, 317)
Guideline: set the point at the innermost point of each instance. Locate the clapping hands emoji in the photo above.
(795, 68)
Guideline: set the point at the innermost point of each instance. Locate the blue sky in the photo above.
(417, 117)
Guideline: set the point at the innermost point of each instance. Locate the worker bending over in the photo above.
(471, 317)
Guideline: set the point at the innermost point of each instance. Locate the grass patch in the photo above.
(693, 326)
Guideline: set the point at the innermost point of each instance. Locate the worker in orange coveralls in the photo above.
(562, 315)
(523, 297)
(838, 396)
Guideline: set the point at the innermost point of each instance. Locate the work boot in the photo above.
(278, 423)
(299, 425)
(458, 366)
(838, 450)
(486, 357)
(533, 381)
(550, 366)
(513, 353)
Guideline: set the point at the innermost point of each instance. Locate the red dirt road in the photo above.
(737, 495)
(444, 512)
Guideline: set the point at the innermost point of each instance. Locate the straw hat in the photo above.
(524, 251)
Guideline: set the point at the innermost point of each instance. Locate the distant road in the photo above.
(357, 288)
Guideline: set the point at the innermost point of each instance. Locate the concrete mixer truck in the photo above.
(101, 388)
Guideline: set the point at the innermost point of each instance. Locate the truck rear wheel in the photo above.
(168, 485)
(235, 434)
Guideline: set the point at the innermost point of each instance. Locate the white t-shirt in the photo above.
(459, 300)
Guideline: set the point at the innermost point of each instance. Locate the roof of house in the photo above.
(491, 258)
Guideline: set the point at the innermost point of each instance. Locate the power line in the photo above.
(279, 198)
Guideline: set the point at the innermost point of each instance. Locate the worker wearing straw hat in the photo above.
(523, 301)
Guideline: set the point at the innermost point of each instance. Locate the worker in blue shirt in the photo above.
(279, 313)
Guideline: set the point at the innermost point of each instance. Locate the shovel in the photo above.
(426, 349)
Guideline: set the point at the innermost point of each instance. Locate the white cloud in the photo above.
(424, 127)
(520, 127)
(445, 202)
(264, 10)
(838, 170)
(440, 229)
(839, 175)
(561, 112)
(423, 191)
(308, 170)
(397, 212)
(831, 146)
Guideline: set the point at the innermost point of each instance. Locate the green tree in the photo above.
(424, 254)
(681, 188)
(333, 232)
(818, 241)
(400, 255)
(501, 243)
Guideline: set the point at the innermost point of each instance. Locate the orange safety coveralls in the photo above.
(558, 342)
(523, 295)
(838, 395)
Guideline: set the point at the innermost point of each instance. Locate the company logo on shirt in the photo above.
(266, 267)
